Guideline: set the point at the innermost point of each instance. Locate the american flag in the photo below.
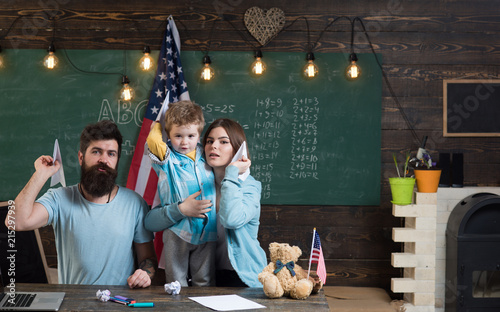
(169, 79)
(317, 257)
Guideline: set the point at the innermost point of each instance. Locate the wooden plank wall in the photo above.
(422, 43)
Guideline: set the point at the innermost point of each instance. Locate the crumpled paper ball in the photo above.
(103, 295)
(173, 288)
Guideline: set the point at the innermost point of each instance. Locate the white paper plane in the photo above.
(161, 116)
(239, 154)
(58, 177)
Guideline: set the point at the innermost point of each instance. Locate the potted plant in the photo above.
(426, 173)
(402, 186)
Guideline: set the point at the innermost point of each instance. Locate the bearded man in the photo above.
(98, 225)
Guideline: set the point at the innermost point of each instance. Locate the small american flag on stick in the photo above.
(317, 257)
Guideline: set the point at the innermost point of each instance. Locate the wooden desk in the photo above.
(83, 298)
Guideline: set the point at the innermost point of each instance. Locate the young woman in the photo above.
(239, 257)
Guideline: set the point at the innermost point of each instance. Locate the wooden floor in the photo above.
(359, 299)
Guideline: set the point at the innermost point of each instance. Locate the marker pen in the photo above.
(118, 301)
(142, 305)
(129, 300)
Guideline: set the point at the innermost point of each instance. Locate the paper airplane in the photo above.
(239, 154)
(58, 177)
(161, 116)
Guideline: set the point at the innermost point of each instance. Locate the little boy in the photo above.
(187, 194)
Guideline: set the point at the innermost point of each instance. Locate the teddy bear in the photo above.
(283, 277)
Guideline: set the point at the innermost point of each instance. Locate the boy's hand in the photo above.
(193, 207)
(242, 164)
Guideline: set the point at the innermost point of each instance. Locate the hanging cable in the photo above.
(400, 108)
(258, 67)
(243, 37)
(353, 70)
(328, 26)
(12, 25)
(126, 93)
(50, 61)
(207, 72)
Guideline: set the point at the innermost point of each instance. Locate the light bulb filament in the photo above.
(50, 61)
(310, 70)
(207, 74)
(126, 93)
(258, 68)
(127, 96)
(146, 63)
(354, 71)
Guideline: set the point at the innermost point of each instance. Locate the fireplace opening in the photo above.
(486, 284)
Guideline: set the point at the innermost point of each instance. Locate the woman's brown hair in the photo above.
(234, 131)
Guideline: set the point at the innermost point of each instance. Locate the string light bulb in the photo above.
(146, 61)
(353, 71)
(258, 66)
(126, 93)
(207, 72)
(50, 61)
(310, 69)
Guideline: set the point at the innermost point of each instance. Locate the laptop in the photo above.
(29, 301)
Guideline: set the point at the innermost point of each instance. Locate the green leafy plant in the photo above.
(407, 159)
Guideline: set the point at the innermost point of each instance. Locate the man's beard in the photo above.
(98, 183)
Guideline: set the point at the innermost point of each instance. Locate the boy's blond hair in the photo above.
(184, 113)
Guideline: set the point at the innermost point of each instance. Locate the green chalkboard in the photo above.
(311, 142)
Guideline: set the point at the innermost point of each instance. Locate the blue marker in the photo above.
(142, 305)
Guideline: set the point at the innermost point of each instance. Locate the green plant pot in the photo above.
(402, 190)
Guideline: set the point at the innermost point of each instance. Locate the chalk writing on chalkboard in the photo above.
(311, 142)
(303, 151)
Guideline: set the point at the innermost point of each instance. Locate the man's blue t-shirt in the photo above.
(94, 241)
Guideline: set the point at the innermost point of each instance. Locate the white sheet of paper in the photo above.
(161, 113)
(161, 116)
(227, 303)
(240, 153)
(58, 177)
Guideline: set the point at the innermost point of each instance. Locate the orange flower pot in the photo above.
(427, 180)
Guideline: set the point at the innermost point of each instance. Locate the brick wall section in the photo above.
(419, 256)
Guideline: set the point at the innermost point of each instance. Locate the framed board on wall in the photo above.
(471, 108)
(314, 142)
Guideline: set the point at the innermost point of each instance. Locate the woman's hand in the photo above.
(192, 207)
(242, 164)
